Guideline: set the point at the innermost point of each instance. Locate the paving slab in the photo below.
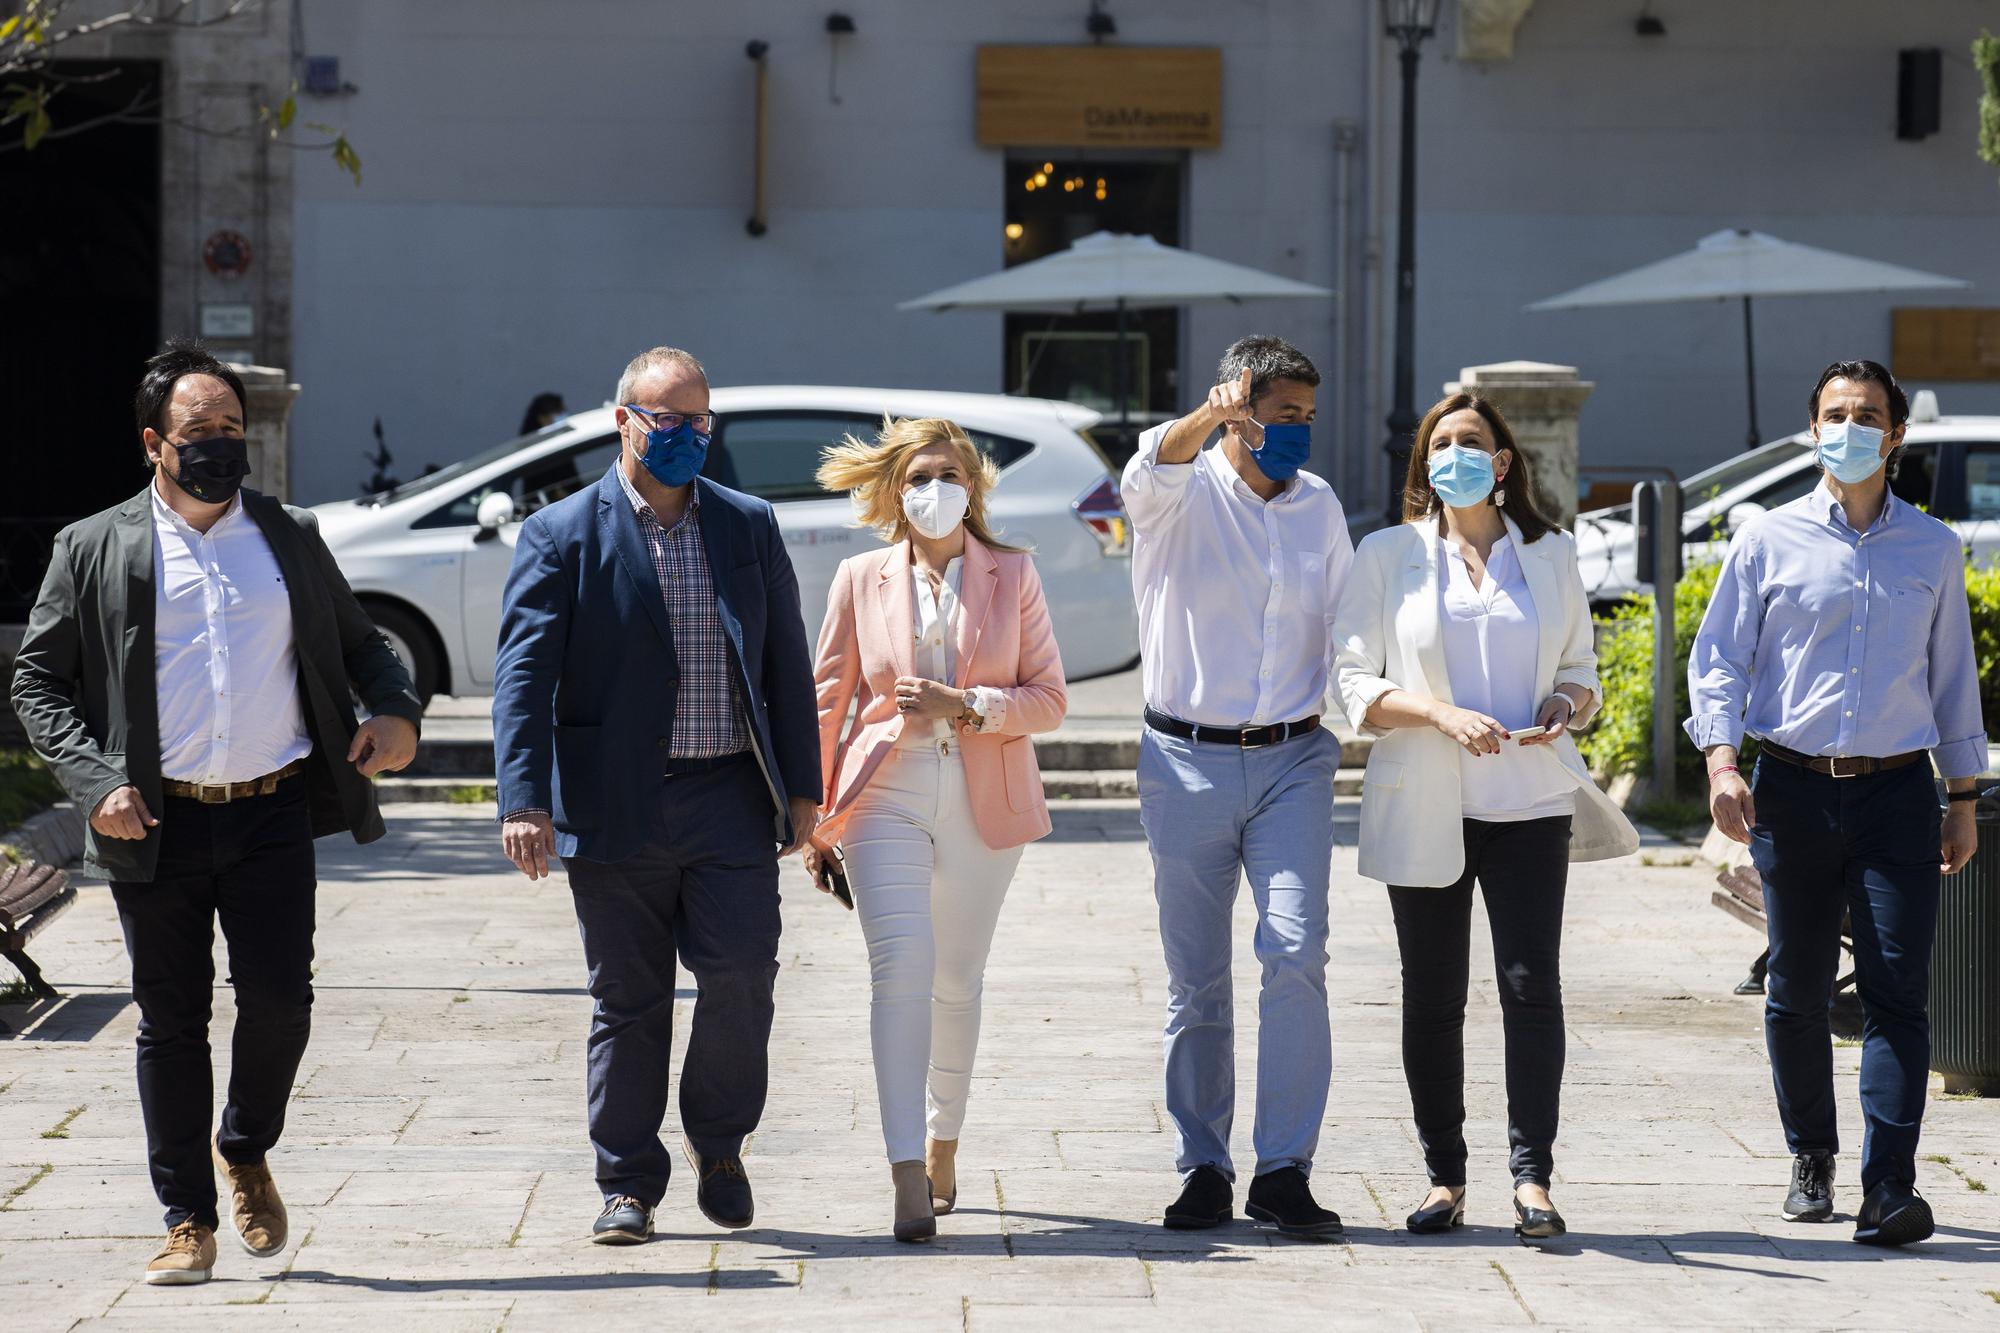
(438, 1176)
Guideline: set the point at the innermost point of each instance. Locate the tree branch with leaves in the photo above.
(32, 84)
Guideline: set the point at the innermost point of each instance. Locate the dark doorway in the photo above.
(1052, 201)
(80, 292)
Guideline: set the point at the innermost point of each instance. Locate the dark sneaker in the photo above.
(624, 1221)
(1205, 1201)
(1811, 1199)
(1893, 1214)
(1282, 1197)
(721, 1189)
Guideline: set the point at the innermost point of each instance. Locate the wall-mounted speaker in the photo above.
(1919, 74)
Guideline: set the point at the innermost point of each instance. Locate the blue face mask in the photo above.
(1852, 453)
(1462, 477)
(674, 457)
(1287, 445)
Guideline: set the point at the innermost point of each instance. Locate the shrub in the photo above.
(1621, 740)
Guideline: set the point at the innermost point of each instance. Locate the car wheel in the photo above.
(411, 640)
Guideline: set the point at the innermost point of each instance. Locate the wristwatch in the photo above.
(971, 714)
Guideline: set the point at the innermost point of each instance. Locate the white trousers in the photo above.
(928, 891)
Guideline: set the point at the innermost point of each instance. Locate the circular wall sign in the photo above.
(227, 253)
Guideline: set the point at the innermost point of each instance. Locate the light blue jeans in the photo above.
(1212, 812)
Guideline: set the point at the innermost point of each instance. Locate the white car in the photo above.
(429, 559)
(1950, 467)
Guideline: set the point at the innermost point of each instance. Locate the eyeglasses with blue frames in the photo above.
(703, 422)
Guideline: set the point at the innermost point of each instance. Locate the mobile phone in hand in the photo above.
(833, 877)
(1532, 735)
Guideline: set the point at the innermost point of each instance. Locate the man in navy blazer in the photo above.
(655, 728)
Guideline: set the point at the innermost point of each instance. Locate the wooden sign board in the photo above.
(1085, 96)
(1937, 343)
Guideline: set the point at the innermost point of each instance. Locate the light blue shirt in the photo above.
(1841, 644)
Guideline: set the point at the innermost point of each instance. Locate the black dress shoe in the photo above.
(1811, 1197)
(721, 1189)
(1893, 1214)
(1439, 1217)
(1282, 1197)
(1204, 1201)
(624, 1221)
(1537, 1223)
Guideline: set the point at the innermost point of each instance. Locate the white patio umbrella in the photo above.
(1741, 264)
(1113, 271)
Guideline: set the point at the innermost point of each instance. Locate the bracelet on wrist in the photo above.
(1968, 795)
(1719, 770)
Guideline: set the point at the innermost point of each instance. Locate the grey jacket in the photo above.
(84, 687)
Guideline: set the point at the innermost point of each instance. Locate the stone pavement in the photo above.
(438, 1176)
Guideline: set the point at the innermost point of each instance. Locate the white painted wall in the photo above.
(550, 188)
(1596, 150)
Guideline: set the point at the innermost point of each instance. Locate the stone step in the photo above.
(1089, 749)
(1057, 785)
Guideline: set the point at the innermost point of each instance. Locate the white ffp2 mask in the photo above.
(935, 508)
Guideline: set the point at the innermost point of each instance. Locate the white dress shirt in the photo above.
(1491, 637)
(225, 665)
(936, 650)
(1236, 594)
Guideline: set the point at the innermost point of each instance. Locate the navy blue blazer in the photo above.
(585, 680)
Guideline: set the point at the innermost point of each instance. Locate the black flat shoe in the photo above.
(721, 1191)
(1893, 1214)
(1537, 1223)
(1204, 1202)
(1283, 1198)
(1438, 1217)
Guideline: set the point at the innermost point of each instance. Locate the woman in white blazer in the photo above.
(1464, 643)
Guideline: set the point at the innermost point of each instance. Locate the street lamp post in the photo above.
(1409, 22)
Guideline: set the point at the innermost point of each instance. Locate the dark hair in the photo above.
(1267, 357)
(543, 404)
(1865, 372)
(180, 358)
(1420, 498)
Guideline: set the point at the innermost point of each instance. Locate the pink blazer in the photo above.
(1004, 641)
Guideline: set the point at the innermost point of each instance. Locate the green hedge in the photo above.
(1621, 741)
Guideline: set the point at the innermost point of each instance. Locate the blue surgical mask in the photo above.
(1287, 445)
(1462, 477)
(674, 457)
(1851, 452)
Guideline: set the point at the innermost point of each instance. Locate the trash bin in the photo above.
(1965, 965)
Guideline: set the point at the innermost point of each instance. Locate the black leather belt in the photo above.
(1244, 738)
(1857, 766)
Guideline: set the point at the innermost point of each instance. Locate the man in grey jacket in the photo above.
(186, 673)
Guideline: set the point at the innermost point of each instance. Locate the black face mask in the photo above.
(212, 470)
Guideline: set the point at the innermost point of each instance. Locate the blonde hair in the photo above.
(872, 473)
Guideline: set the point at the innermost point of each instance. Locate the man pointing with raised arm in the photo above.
(1238, 563)
(1839, 636)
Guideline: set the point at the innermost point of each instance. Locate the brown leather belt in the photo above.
(232, 791)
(1856, 766)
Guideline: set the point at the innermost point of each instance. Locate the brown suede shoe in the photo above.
(188, 1257)
(254, 1206)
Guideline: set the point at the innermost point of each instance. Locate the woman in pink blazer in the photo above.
(941, 644)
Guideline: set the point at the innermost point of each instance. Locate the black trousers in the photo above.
(704, 887)
(250, 864)
(1523, 869)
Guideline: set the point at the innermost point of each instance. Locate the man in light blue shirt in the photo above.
(1839, 637)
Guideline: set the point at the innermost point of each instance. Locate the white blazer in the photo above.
(1389, 638)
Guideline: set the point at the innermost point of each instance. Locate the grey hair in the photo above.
(1267, 357)
(651, 360)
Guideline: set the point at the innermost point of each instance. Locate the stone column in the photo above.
(1541, 403)
(269, 408)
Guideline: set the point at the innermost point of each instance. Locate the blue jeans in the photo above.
(1212, 813)
(1866, 847)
